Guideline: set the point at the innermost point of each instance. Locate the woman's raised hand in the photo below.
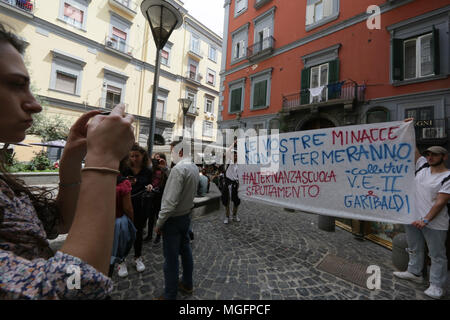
(109, 138)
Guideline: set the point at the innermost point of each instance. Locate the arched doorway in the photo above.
(317, 123)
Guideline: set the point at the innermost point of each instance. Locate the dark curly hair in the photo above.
(145, 158)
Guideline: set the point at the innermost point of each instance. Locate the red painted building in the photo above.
(279, 54)
(306, 64)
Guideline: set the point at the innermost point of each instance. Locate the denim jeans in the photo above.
(176, 242)
(435, 240)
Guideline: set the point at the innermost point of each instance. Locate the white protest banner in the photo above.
(363, 172)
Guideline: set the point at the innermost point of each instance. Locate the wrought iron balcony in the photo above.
(261, 49)
(24, 5)
(431, 130)
(118, 45)
(194, 76)
(339, 92)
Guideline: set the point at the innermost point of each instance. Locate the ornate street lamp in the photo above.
(163, 17)
(185, 105)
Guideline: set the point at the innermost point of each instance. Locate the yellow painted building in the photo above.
(88, 55)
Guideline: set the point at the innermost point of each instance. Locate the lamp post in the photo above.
(185, 105)
(163, 18)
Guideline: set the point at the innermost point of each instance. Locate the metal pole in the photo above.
(151, 137)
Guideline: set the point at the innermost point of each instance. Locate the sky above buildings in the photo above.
(208, 12)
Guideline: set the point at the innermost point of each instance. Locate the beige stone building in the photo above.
(87, 55)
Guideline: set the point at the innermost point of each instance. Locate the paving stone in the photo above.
(271, 254)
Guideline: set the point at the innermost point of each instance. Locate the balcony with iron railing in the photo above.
(119, 46)
(193, 111)
(194, 77)
(261, 49)
(432, 131)
(128, 6)
(344, 92)
(21, 6)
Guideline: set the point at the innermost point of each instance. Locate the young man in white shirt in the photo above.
(431, 226)
(230, 189)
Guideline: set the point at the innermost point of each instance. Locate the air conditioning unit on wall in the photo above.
(111, 44)
(433, 133)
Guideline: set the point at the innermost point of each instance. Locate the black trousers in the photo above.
(234, 193)
(155, 207)
(141, 208)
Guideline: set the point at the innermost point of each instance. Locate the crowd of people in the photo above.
(105, 205)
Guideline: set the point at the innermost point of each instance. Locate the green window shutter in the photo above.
(435, 51)
(263, 93)
(260, 94)
(305, 82)
(256, 94)
(397, 59)
(333, 76)
(236, 96)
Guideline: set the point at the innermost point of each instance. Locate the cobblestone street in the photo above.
(271, 254)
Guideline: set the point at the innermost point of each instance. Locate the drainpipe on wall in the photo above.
(142, 82)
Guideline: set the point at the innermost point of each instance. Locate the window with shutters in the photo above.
(260, 94)
(120, 39)
(211, 77)
(263, 31)
(418, 48)
(417, 57)
(209, 105)
(239, 43)
(207, 128)
(317, 79)
(66, 82)
(240, 6)
(66, 74)
(212, 53)
(114, 85)
(192, 73)
(320, 12)
(73, 16)
(165, 54)
(260, 89)
(236, 100)
(113, 96)
(74, 12)
(195, 44)
(160, 108)
(318, 84)
(119, 33)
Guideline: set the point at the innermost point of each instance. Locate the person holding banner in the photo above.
(230, 190)
(431, 198)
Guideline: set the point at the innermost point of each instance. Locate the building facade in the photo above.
(87, 55)
(310, 64)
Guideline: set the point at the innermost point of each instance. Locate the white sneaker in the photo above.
(434, 292)
(139, 264)
(123, 272)
(408, 276)
(226, 220)
(236, 218)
